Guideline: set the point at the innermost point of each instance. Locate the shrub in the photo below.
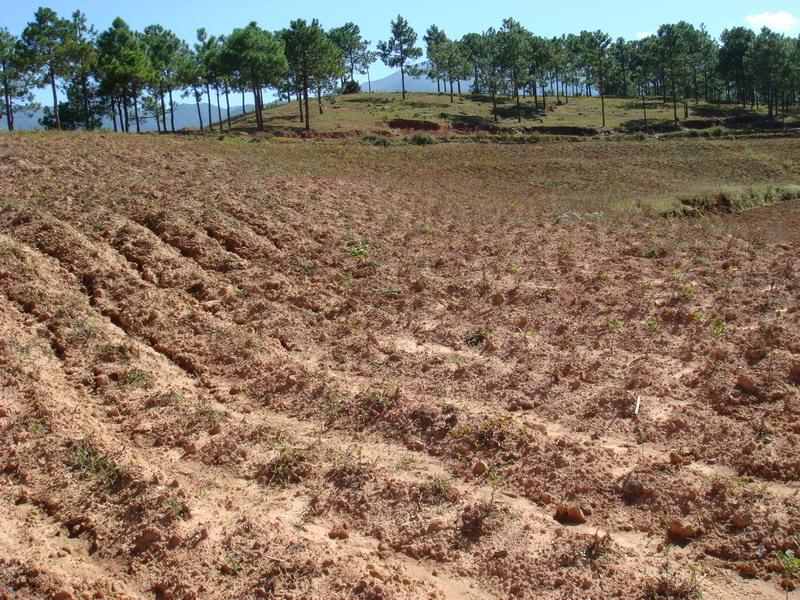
(351, 87)
(420, 140)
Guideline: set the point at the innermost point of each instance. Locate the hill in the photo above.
(384, 112)
(393, 83)
(185, 116)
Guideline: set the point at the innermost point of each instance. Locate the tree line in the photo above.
(127, 75)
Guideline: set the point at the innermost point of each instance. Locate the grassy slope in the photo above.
(588, 175)
(364, 112)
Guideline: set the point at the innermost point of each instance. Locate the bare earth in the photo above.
(223, 382)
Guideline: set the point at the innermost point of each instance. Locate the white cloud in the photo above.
(640, 35)
(783, 21)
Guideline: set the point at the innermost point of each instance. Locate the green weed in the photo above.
(477, 337)
(92, 465)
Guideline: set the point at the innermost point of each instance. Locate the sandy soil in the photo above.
(217, 383)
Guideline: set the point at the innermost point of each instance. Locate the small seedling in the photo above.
(653, 321)
(92, 465)
(177, 508)
(330, 409)
(718, 328)
(790, 565)
(290, 466)
(391, 291)
(381, 401)
(360, 250)
(307, 267)
(136, 378)
(614, 325)
(81, 332)
(476, 338)
(438, 490)
(232, 565)
(36, 428)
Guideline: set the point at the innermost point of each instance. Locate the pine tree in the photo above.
(400, 49)
(16, 88)
(46, 43)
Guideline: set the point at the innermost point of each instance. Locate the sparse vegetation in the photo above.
(288, 467)
(359, 249)
(93, 465)
(477, 337)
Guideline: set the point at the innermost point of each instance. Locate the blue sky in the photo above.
(617, 17)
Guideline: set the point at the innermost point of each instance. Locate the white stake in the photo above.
(638, 402)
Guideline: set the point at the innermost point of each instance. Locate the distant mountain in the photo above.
(393, 83)
(185, 116)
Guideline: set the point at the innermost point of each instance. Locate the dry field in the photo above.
(250, 369)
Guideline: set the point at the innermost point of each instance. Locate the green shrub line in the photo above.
(725, 200)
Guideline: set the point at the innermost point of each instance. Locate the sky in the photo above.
(456, 17)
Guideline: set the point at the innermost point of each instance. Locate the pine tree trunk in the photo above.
(300, 105)
(602, 98)
(258, 115)
(402, 81)
(125, 107)
(644, 109)
(305, 100)
(114, 113)
(197, 103)
(121, 115)
(219, 109)
(674, 97)
(163, 110)
(210, 118)
(228, 104)
(9, 107)
(136, 111)
(85, 93)
(319, 100)
(171, 111)
(55, 98)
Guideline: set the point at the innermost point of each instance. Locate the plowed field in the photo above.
(242, 369)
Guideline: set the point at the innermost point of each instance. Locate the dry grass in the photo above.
(364, 112)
